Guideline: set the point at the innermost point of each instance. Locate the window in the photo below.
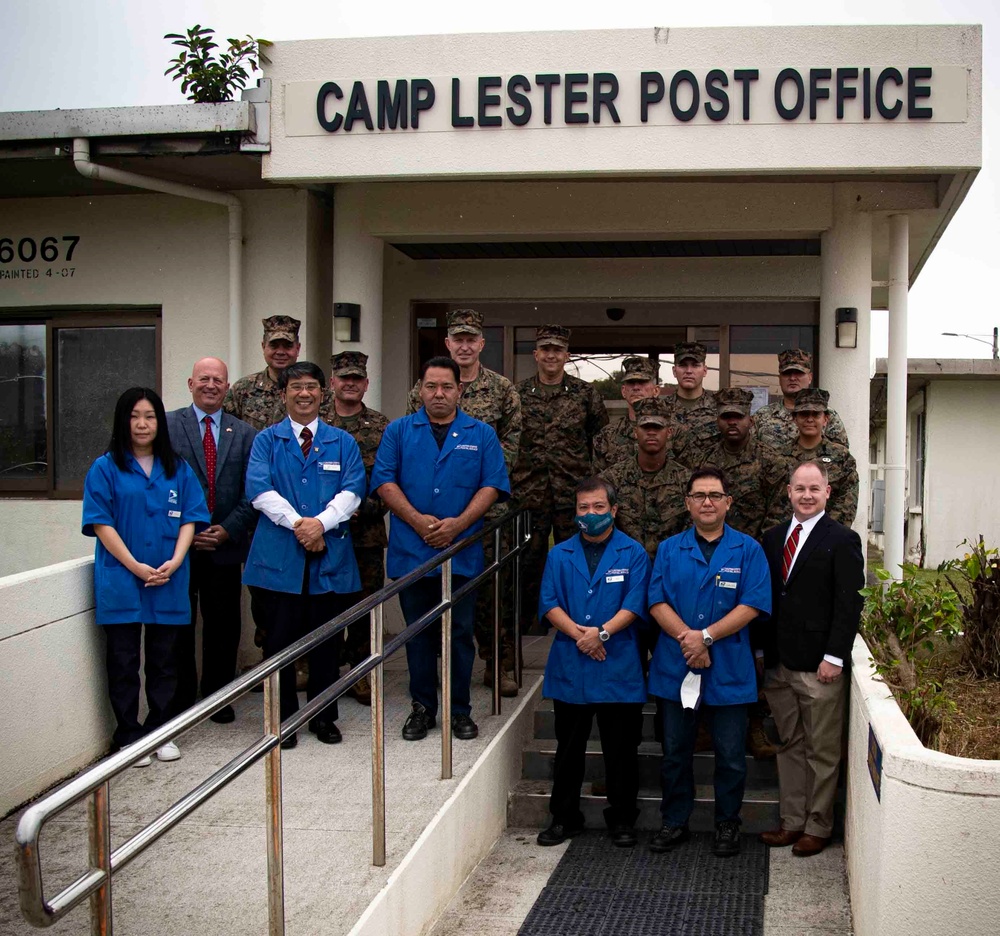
(916, 491)
(60, 376)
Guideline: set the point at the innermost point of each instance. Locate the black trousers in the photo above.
(287, 618)
(218, 589)
(122, 657)
(620, 728)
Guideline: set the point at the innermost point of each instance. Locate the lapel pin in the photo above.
(454, 435)
(229, 428)
(316, 449)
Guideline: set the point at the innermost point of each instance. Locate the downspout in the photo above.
(81, 159)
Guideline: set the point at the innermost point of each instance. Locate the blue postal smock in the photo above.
(147, 513)
(702, 593)
(439, 483)
(277, 560)
(620, 582)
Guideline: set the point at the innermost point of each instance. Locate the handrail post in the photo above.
(446, 672)
(99, 829)
(378, 743)
(518, 658)
(497, 556)
(272, 782)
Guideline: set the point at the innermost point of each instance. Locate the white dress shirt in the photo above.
(278, 510)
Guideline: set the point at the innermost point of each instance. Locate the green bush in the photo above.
(205, 77)
(979, 595)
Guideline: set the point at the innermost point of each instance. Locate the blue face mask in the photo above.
(594, 524)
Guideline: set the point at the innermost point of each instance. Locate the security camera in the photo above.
(616, 315)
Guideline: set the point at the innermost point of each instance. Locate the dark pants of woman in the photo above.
(124, 641)
(620, 728)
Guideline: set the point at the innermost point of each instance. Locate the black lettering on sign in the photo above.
(605, 97)
(681, 77)
(547, 82)
(572, 96)
(27, 249)
(357, 108)
(844, 91)
(653, 89)
(457, 120)
(489, 100)
(888, 74)
(715, 81)
(331, 125)
(744, 76)
(866, 92)
(916, 91)
(516, 86)
(788, 113)
(816, 91)
(422, 96)
(392, 109)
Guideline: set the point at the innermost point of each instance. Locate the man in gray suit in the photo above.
(217, 447)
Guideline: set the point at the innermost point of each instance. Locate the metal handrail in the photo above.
(94, 782)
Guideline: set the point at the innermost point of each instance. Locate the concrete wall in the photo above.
(962, 490)
(54, 713)
(921, 861)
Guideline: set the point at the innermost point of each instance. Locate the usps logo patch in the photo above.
(731, 571)
(172, 497)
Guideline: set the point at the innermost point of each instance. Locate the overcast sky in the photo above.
(102, 53)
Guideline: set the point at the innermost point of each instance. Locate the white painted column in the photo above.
(895, 410)
(357, 277)
(845, 280)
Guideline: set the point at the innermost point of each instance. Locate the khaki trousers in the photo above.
(809, 716)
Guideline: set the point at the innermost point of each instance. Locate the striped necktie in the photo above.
(306, 441)
(789, 554)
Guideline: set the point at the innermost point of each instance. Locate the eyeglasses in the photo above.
(699, 497)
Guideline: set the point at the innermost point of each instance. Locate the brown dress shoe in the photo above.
(809, 845)
(779, 838)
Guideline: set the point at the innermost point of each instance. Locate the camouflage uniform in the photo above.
(650, 505)
(694, 422)
(255, 398)
(492, 399)
(556, 453)
(617, 442)
(368, 524)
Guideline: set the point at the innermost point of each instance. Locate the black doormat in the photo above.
(599, 890)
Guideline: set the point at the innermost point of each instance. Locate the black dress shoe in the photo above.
(224, 716)
(328, 733)
(727, 839)
(417, 723)
(623, 836)
(669, 837)
(464, 728)
(557, 833)
(288, 743)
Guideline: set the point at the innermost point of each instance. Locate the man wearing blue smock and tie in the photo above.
(439, 471)
(707, 584)
(594, 594)
(306, 478)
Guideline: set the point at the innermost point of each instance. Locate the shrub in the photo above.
(978, 572)
(209, 79)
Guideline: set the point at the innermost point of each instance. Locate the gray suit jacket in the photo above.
(232, 509)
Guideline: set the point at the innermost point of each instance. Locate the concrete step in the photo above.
(539, 759)
(528, 806)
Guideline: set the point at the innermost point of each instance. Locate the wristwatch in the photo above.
(707, 637)
(602, 633)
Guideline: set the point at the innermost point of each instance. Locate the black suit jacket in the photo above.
(232, 509)
(817, 610)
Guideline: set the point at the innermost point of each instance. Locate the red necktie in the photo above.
(306, 441)
(789, 554)
(210, 456)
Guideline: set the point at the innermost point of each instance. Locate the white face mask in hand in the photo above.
(691, 690)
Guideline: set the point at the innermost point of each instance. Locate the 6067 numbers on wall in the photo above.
(27, 249)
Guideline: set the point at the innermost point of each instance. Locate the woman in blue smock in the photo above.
(143, 504)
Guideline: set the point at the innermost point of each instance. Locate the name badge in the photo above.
(727, 584)
(615, 578)
(173, 513)
(330, 466)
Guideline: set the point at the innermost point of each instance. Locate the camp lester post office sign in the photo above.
(824, 94)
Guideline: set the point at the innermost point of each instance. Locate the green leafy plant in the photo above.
(979, 572)
(207, 77)
(904, 623)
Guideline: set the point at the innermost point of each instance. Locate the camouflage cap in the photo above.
(690, 350)
(552, 335)
(811, 400)
(637, 368)
(465, 322)
(733, 400)
(282, 328)
(652, 411)
(349, 364)
(795, 359)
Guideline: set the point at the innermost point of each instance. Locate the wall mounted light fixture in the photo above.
(347, 321)
(847, 328)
